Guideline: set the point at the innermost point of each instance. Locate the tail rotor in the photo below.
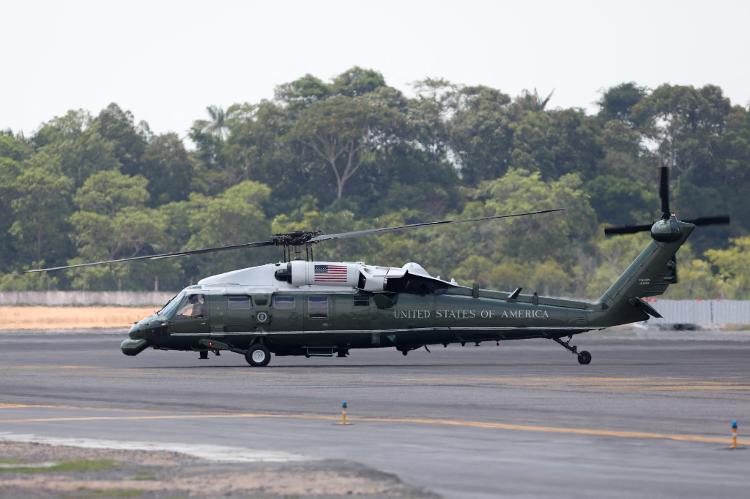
(667, 228)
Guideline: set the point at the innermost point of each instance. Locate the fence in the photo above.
(83, 298)
(701, 312)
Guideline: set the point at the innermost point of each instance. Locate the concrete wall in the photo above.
(80, 298)
(701, 312)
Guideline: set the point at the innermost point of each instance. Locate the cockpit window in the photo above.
(169, 309)
(193, 307)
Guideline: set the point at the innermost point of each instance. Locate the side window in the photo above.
(194, 307)
(317, 307)
(283, 302)
(239, 302)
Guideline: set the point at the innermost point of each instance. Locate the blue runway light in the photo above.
(734, 424)
(343, 404)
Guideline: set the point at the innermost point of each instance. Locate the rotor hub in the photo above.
(666, 231)
(296, 238)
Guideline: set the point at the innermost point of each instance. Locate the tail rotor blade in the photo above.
(714, 220)
(664, 192)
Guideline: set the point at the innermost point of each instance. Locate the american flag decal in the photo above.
(330, 273)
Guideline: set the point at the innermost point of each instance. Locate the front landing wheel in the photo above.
(258, 356)
(584, 357)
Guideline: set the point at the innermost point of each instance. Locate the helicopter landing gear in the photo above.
(584, 357)
(258, 355)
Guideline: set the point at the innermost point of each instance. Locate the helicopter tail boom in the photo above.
(650, 274)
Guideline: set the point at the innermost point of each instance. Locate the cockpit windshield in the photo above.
(169, 309)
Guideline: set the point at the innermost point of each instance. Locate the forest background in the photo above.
(353, 152)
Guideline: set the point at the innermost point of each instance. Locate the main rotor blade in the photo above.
(382, 230)
(159, 256)
(664, 192)
(715, 220)
(627, 229)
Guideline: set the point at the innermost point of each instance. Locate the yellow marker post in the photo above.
(343, 414)
(734, 434)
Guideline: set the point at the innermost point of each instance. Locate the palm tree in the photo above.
(529, 101)
(217, 124)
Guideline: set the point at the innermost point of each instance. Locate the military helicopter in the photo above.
(301, 306)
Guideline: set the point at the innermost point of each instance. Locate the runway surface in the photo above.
(649, 417)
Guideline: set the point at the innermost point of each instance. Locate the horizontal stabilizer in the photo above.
(637, 302)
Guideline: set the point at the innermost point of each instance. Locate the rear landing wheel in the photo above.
(258, 356)
(584, 357)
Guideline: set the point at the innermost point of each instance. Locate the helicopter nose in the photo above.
(132, 346)
(137, 340)
(137, 332)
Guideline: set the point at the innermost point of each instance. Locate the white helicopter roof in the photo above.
(308, 276)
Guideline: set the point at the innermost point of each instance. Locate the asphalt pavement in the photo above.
(650, 416)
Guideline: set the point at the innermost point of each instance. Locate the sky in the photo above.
(167, 60)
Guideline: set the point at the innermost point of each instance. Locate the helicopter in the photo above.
(301, 306)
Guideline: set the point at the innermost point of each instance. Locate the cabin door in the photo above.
(286, 313)
(318, 314)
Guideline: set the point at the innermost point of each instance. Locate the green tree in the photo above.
(685, 127)
(131, 231)
(108, 192)
(612, 256)
(481, 133)
(216, 125)
(530, 102)
(257, 150)
(696, 281)
(428, 116)
(236, 216)
(557, 142)
(128, 140)
(40, 207)
(620, 200)
(302, 92)
(9, 171)
(13, 147)
(344, 133)
(168, 169)
(733, 266)
(356, 81)
(82, 150)
(683, 122)
(113, 222)
(618, 101)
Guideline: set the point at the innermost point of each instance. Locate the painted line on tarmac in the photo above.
(488, 425)
(23, 405)
(216, 453)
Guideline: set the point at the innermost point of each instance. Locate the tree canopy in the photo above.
(353, 152)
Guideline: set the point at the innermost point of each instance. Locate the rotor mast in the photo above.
(292, 244)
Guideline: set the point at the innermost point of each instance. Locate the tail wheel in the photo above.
(258, 356)
(584, 357)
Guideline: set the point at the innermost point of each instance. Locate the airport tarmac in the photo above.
(650, 416)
